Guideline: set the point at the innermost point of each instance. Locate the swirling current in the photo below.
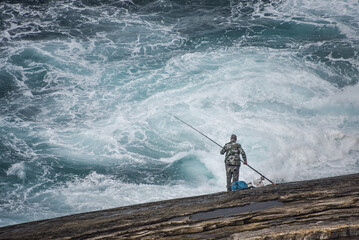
(85, 86)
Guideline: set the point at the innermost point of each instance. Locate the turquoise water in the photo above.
(85, 86)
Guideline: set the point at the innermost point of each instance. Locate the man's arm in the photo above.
(223, 151)
(243, 155)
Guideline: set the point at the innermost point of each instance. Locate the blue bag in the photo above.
(239, 185)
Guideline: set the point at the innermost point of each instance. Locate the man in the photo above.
(232, 160)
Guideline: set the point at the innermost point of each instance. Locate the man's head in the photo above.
(233, 137)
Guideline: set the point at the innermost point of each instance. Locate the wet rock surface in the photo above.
(317, 209)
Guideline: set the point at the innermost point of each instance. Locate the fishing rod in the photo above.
(217, 145)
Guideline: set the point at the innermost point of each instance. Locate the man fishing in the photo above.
(232, 150)
(232, 160)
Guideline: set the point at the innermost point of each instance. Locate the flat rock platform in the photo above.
(325, 208)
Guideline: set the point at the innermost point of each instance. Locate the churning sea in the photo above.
(85, 86)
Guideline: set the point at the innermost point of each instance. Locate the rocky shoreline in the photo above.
(325, 208)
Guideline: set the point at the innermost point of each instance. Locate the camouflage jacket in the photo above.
(232, 151)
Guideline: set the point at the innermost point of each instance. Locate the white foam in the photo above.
(17, 169)
(335, 13)
(264, 101)
(97, 191)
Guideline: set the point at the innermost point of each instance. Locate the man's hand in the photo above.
(245, 162)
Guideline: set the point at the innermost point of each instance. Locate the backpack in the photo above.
(239, 185)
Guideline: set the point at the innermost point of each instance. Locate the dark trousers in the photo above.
(232, 172)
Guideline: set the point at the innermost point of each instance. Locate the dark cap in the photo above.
(234, 137)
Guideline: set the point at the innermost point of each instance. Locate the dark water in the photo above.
(85, 86)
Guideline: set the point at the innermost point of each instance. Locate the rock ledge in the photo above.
(317, 209)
